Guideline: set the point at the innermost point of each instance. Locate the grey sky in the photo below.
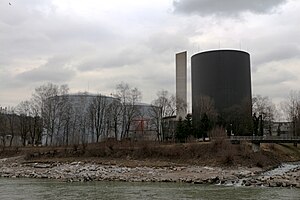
(94, 45)
(225, 8)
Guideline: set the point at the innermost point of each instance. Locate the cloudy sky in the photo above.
(94, 45)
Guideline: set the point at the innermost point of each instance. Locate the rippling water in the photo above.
(51, 189)
(285, 167)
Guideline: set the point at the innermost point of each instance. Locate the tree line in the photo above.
(54, 117)
(237, 120)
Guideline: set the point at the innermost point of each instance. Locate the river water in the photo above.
(51, 189)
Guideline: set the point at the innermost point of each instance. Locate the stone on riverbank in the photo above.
(81, 171)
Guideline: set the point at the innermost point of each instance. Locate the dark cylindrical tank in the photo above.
(222, 75)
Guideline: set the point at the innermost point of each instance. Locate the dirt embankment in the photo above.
(219, 153)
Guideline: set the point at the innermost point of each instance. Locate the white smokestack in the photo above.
(181, 84)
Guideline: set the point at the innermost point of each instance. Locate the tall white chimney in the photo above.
(181, 84)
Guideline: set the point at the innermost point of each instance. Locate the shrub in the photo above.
(228, 159)
(217, 134)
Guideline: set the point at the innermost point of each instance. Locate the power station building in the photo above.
(88, 118)
(224, 77)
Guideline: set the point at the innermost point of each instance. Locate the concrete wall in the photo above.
(181, 84)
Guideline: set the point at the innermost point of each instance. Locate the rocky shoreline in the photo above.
(88, 171)
(288, 178)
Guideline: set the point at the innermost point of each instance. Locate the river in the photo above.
(34, 189)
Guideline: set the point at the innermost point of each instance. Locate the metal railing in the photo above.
(261, 138)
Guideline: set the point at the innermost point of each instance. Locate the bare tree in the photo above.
(36, 128)
(80, 119)
(114, 114)
(237, 119)
(47, 107)
(12, 121)
(263, 108)
(46, 99)
(292, 109)
(21, 121)
(206, 105)
(67, 122)
(3, 129)
(156, 117)
(29, 121)
(131, 108)
(23, 109)
(98, 111)
(166, 102)
(165, 106)
(128, 97)
(61, 117)
(204, 115)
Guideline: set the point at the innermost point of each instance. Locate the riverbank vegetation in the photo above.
(219, 152)
(177, 142)
(53, 117)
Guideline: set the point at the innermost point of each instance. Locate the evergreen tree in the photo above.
(188, 128)
(180, 132)
(205, 125)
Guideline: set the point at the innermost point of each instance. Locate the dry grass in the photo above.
(218, 152)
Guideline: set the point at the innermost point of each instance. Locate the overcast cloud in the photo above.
(94, 45)
(225, 8)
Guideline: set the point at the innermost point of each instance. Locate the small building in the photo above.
(282, 129)
(146, 125)
(169, 127)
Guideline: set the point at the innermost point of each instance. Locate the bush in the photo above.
(217, 134)
(228, 159)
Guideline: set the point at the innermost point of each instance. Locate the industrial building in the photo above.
(222, 76)
(88, 118)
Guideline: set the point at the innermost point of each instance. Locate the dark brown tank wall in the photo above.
(223, 75)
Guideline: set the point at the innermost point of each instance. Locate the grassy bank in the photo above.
(127, 153)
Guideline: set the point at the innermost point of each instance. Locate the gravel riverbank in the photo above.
(89, 171)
